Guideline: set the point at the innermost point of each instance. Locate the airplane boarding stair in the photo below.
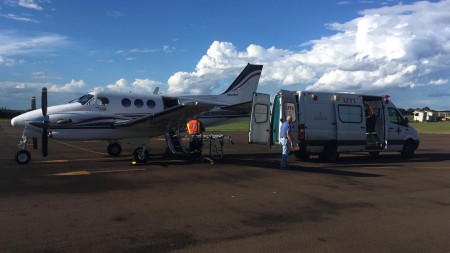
(174, 142)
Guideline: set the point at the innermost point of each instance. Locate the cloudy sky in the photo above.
(400, 48)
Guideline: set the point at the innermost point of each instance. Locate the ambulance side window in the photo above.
(350, 113)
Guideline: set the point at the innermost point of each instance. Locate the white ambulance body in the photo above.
(327, 124)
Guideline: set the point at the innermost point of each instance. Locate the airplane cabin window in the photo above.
(126, 102)
(138, 103)
(102, 101)
(151, 104)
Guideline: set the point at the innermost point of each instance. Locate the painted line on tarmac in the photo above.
(80, 148)
(73, 160)
(88, 173)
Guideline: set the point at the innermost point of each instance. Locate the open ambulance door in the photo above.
(289, 106)
(260, 119)
(350, 122)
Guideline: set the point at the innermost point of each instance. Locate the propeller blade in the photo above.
(34, 143)
(44, 142)
(44, 101)
(33, 103)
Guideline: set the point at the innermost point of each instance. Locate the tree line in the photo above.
(6, 113)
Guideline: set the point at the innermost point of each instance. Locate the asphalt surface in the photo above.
(79, 199)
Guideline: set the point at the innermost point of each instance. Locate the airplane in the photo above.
(132, 117)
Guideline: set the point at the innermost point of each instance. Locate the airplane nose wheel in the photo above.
(114, 149)
(23, 157)
(141, 155)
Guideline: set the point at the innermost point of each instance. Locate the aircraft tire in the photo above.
(141, 156)
(23, 157)
(114, 149)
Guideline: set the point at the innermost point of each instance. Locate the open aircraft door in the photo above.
(260, 119)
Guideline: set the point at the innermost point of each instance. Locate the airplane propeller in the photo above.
(46, 121)
(33, 107)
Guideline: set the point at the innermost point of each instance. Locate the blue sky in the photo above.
(199, 46)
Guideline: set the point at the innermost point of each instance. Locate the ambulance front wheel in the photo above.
(408, 149)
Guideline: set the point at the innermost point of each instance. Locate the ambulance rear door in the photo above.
(350, 122)
(289, 106)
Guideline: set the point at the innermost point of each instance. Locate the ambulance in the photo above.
(327, 124)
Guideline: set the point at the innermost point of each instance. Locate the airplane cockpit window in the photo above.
(83, 99)
(151, 104)
(102, 101)
(126, 102)
(138, 103)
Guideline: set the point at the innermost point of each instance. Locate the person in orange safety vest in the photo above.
(195, 128)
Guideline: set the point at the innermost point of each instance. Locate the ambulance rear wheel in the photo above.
(301, 156)
(114, 149)
(374, 153)
(329, 153)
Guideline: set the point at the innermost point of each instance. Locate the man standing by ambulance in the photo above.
(285, 141)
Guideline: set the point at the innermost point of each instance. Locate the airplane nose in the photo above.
(18, 121)
(13, 121)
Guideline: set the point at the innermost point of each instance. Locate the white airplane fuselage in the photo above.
(94, 119)
(133, 117)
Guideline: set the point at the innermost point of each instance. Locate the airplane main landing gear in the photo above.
(114, 149)
(141, 155)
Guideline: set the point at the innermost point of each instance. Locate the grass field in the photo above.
(441, 127)
(422, 127)
(240, 126)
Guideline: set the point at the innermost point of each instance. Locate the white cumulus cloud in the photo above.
(72, 86)
(13, 43)
(401, 46)
(30, 4)
(146, 86)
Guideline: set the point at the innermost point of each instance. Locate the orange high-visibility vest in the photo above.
(193, 126)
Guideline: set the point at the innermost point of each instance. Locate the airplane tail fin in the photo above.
(243, 87)
(236, 102)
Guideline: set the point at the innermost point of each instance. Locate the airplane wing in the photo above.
(168, 119)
